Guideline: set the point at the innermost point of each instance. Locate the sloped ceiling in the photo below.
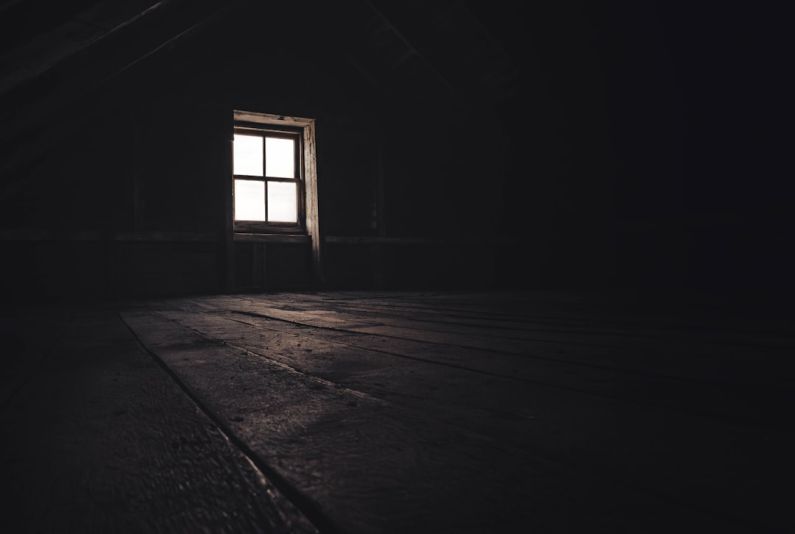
(54, 54)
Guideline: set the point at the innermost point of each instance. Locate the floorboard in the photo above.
(372, 415)
(97, 437)
(393, 412)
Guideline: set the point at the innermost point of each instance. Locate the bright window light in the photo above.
(282, 205)
(267, 179)
(279, 157)
(248, 155)
(249, 200)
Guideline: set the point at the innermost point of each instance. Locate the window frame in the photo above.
(281, 132)
(311, 222)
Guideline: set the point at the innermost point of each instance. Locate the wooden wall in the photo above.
(590, 170)
(129, 201)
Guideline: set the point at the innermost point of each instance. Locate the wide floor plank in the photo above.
(97, 437)
(371, 427)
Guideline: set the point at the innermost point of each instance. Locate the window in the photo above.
(272, 195)
(268, 178)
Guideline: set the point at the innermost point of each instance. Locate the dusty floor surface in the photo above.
(396, 412)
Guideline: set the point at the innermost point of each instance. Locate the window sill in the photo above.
(270, 238)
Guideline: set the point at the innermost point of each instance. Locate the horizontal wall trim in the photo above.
(143, 237)
(381, 240)
(34, 235)
(167, 236)
(271, 238)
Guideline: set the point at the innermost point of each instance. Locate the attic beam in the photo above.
(51, 57)
(481, 68)
(68, 102)
(165, 44)
(409, 46)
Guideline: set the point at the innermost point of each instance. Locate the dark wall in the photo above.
(658, 130)
(131, 196)
(620, 154)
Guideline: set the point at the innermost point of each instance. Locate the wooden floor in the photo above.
(400, 412)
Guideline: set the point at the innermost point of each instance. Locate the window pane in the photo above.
(279, 157)
(248, 155)
(249, 200)
(282, 204)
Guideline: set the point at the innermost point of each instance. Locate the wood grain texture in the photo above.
(99, 438)
(497, 409)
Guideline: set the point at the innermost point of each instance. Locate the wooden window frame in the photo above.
(308, 226)
(266, 226)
